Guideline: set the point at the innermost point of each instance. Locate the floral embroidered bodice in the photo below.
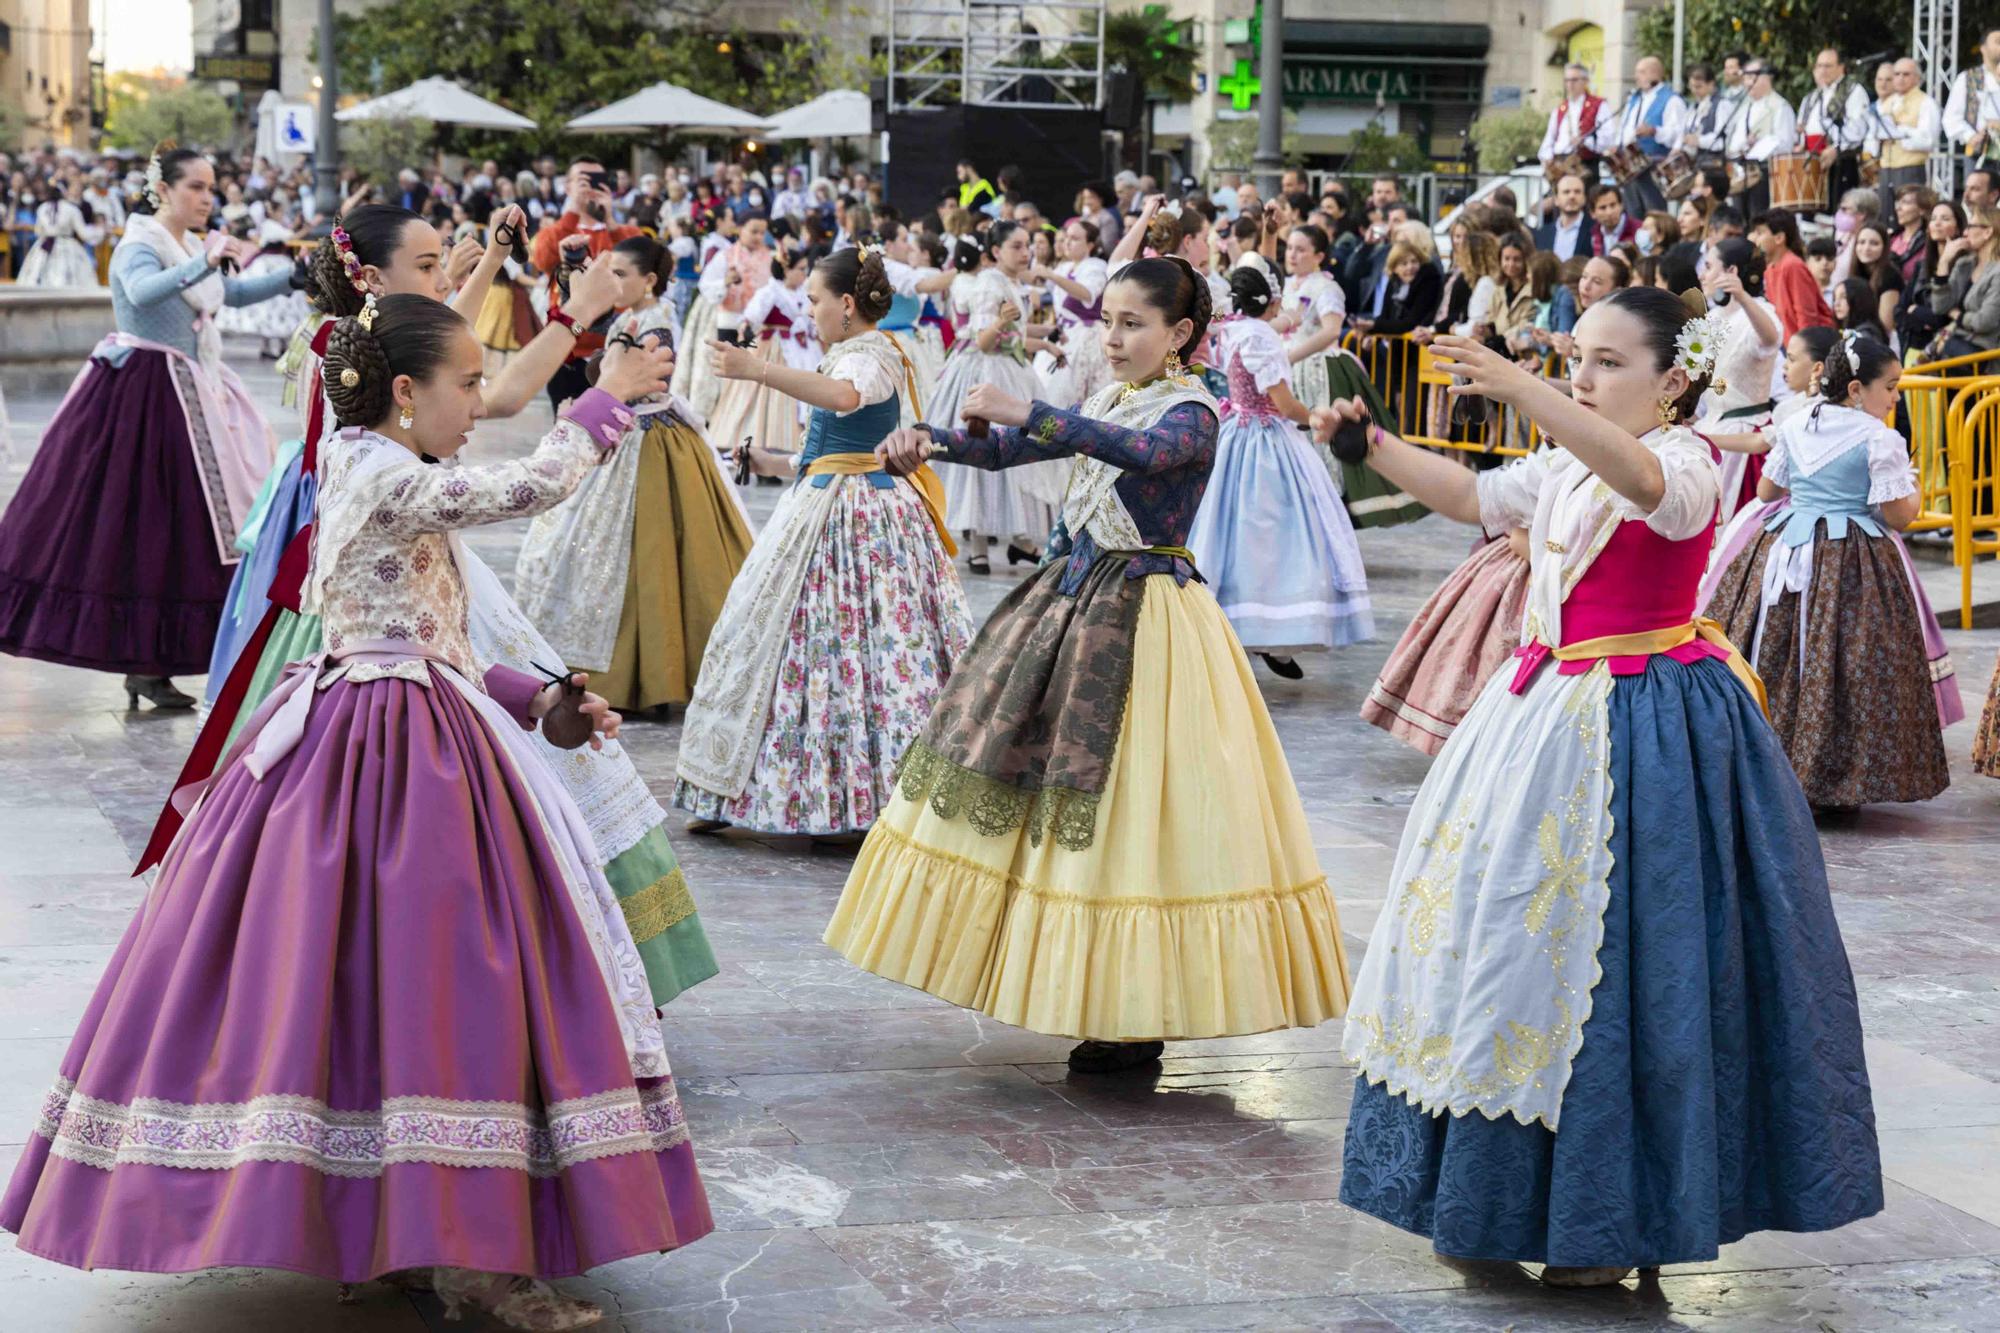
(1254, 361)
(1161, 472)
(1244, 395)
(387, 522)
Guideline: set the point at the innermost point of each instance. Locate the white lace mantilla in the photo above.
(440, 1131)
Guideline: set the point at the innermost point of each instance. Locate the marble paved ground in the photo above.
(879, 1160)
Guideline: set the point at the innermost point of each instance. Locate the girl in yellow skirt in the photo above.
(627, 577)
(1096, 835)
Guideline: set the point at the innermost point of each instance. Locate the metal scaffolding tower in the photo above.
(1048, 55)
(1934, 44)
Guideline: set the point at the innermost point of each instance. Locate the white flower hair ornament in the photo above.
(155, 182)
(1699, 346)
(1848, 344)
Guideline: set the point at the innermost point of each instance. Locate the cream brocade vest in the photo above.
(1905, 109)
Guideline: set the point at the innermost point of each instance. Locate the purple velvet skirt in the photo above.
(358, 1026)
(107, 554)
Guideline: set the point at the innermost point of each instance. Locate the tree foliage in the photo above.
(381, 148)
(1505, 137)
(144, 109)
(1232, 144)
(1155, 49)
(1374, 148)
(553, 62)
(1788, 33)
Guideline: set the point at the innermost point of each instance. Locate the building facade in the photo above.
(46, 76)
(1426, 70)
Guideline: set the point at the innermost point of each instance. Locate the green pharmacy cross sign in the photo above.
(1240, 85)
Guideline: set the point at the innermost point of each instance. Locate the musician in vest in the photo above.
(1833, 122)
(1654, 120)
(1766, 126)
(1578, 125)
(1972, 112)
(1706, 130)
(1909, 124)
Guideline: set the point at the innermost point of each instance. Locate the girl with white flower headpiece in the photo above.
(1825, 603)
(1608, 932)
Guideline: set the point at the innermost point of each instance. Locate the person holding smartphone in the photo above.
(580, 234)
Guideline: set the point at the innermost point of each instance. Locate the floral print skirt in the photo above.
(879, 624)
(1845, 666)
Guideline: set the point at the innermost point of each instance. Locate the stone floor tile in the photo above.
(1135, 1260)
(1959, 1167)
(858, 1184)
(891, 1105)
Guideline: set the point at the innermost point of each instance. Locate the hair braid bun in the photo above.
(331, 292)
(354, 354)
(1201, 306)
(872, 293)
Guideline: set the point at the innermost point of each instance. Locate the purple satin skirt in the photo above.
(358, 1026)
(107, 555)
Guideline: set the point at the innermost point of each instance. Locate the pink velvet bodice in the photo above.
(1638, 583)
(1244, 395)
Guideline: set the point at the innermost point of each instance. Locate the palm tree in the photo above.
(1154, 49)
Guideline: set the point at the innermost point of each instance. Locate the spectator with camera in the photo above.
(583, 231)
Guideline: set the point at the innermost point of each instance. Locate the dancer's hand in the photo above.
(903, 452)
(604, 723)
(1326, 420)
(592, 292)
(216, 247)
(629, 373)
(996, 405)
(460, 260)
(731, 362)
(1478, 369)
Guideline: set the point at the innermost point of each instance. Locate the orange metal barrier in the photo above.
(1975, 504)
(1407, 376)
(1961, 364)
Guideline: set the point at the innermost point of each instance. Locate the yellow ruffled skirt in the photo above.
(1198, 910)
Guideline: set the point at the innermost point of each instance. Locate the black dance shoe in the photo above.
(155, 690)
(1284, 666)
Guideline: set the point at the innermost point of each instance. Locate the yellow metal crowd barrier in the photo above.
(1406, 374)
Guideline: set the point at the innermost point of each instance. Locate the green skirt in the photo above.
(1373, 501)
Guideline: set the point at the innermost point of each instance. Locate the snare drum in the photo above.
(1628, 163)
(1569, 164)
(1678, 174)
(1798, 182)
(1744, 176)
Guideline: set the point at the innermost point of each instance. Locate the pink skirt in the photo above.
(1461, 636)
(358, 1026)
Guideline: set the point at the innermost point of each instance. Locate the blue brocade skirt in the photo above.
(1720, 1089)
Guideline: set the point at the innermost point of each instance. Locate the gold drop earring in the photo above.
(406, 419)
(1174, 367)
(1669, 413)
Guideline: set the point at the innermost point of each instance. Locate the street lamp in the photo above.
(326, 157)
(1269, 163)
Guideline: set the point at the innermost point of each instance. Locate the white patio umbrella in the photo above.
(670, 106)
(842, 114)
(441, 102)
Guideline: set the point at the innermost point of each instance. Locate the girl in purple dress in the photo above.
(381, 1014)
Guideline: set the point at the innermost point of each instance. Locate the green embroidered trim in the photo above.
(994, 807)
(1046, 432)
(658, 907)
